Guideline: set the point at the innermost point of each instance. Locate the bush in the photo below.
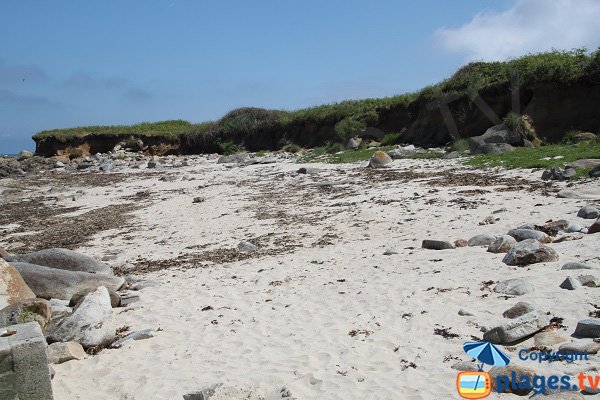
(390, 139)
(227, 148)
(333, 148)
(460, 145)
(74, 152)
(349, 127)
(293, 148)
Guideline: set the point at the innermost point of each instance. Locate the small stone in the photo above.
(152, 164)
(461, 243)
(481, 240)
(437, 245)
(575, 265)
(548, 339)
(519, 309)
(589, 212)
(570, 284)
(199, 199)
(489, 220)
(514, 287)
(464, 313)
(246, 247)
(389, 252)
(528, 252)
(502, 244)
(588, 328)
(59, 353)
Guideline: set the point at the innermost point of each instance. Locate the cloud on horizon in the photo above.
(21, 73)
(529, 26)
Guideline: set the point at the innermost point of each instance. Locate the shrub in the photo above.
(75, 152)
(227, 148)
(390, 139)
(333, 148)
(349, 127)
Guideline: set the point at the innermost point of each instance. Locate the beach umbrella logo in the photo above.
(486, 353)
(478, 384)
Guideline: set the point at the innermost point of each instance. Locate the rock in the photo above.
(3, 253)
(586, 163)
(549, 339)
(139, 335)
(401, 153)
(233, 159)
(520, 373)
(530, 227)
(464, 313)
(199, 199)
(502, 244)
(595, 227)
(24, 155)
(569, 172)
(589, 212)
(461, 243)
(481, 240)
(588, 328)
(354, 143)
(246, 247)
(379, 160)
(85, 165)
(568, 237)
(573, 228)
(115, 298)
(90, 324)
(516, 329)
(594, 173)
(583, 137)
(152, 164)
(528, 252)
(437, 245)
(51, 283)
(13, 287)
(575, 265)
(514, 287)
(59, 353)
(491, 148)
(519, 309)
(589, 281)
(490, 219)
(204, 394)
(62, 259)
(570, 284)
(106, 167)
(580, 347)
(465, 366)
(557, 174)
(524, 234)
(24, 311)
(554, 227)
(582, 193)
(389, 252)
(496, 139)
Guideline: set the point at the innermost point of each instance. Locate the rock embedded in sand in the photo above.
(139, 335)
(115, 298)
(62, 259)
(549, 339)
(460, 243)
(519, 309)
(575, 265)
(59, 353)
(380, 160)
(481, 240)
(524, 234)
(437, 245)
(589, 212)
(588, 328)
(580, 347)
(528, 252)
(13, 288)
(246, 247)
(90, 324)
(514, 287)
(519, 372)
(51, 283)
(502, 244)
(595, 227)
(516, 329)
(570, 284)
(589, 281)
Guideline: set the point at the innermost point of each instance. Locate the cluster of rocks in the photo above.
(500, 138)
(25, 162)
(71, 297)
(570, 170)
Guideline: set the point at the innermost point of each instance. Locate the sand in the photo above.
(319, 312)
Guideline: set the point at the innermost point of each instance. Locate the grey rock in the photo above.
(489, 220)
(59, 353)
(62, 259)
(400, 153)
(573, 228)
(481, 240)
(106, 167)
(380, 160)
(354, 143)
(389, 252)
(520, 373)
(519, 309)
(588, 328)
(52, 283)
(582, 193)
(594, 228)
(24, 155)
(246, 247)
(586, 163)
(31, 310)
(514, 287)
(204, 394)
(575, 265)
(589, 281)
(580, 347)
(595, 172)
(502, 244)
(589, 212)
(233, 159)
(516, 329)
(437, 245)
(85, 165)
(524, 234)
(528, 252)
(464, 313)
(115, 298)
(152, 164)
(570, 284)
(90, 324)
(139, 335)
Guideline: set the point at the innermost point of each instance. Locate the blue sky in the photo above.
(72, 63)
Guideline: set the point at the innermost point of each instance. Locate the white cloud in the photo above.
(528, 26)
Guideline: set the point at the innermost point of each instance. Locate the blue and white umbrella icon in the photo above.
(486, 353)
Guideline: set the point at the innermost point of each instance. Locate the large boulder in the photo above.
(91, 324)
(586, 163)
(22, 312)
(380, 160)
(51, 283)
(529, 251)
(497, 139)
(516, 329)
(62, 259)
(12, 286)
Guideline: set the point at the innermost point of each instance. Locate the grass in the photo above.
(347, 117)
(529, 157)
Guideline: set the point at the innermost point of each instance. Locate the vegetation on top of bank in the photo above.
(337, 122)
